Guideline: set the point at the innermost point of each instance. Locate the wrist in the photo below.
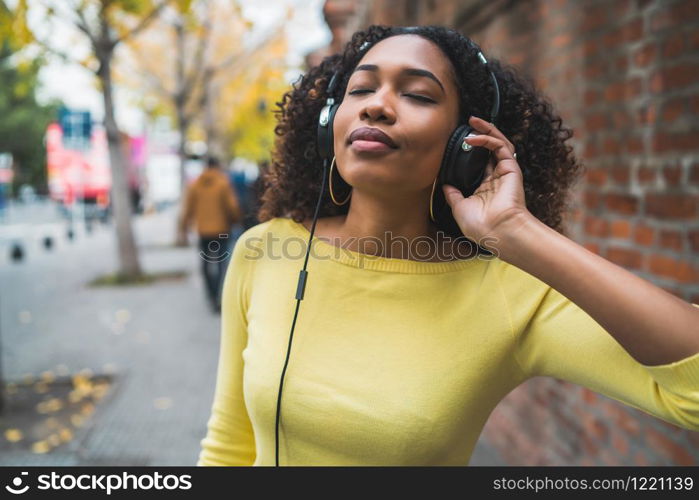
(508, 240)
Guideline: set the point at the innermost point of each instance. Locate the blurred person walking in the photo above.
(214, 207)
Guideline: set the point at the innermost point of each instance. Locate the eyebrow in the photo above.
(406, 71)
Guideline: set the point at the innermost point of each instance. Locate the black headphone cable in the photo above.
(300, 288)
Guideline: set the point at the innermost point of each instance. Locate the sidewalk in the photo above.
(160, 342)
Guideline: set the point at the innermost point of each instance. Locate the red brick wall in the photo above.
(624, 74)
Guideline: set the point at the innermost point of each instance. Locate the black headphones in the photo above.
(463, 166)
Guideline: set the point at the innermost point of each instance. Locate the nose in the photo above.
(378, 107)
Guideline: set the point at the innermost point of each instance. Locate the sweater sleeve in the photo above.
(556, 338)
(230, 439)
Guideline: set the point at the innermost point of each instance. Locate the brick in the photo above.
(591, 97)
(693, 238)
(660, 20)
(674, 77)
(628, 423)
(646, 175)
(672, 174)
(685, 11)
(560, 41)
(596, 226)
(645, 55)
(625, 257)
(590, 47)
(621, 174)
(621, 119)
(671, 239)
(592, 199)
(588, 396)
(608, 457)
(621, 64)
(596, 121)
(593, 247)
(675, 452)
(640, 459)
(647, 115)
(621, 203)
(594, 18)
(694, 174)
(663, 142)
(634, 145)
(673, 109)
(644, 235)
(594, 69)
(671, 206)
(673, 46)
(620, 443)
(596, 427)
(621, 8)
(631, 32)
(621, 229)
(611, 146)
(589, 444)
(679, 270)
(596, 176)
(591, 150)
(693, 39)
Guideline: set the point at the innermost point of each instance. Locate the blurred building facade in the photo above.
(623, 75)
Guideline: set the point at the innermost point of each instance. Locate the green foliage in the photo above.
(24, 121)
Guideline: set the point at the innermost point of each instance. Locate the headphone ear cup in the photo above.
(440, 207)
(325, 131)
(449, 158)
(462, 168)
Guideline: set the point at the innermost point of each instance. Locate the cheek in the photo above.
(340, 127)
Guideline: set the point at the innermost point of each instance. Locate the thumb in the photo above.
(452, 194)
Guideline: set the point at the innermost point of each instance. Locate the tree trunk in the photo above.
(129, 265)
(209, 117)
(182, 125)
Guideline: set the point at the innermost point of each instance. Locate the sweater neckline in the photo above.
(326, 251)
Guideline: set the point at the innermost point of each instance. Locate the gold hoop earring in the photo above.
(431, 197)
(330, 187)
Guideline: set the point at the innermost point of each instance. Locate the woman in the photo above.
(400, 352)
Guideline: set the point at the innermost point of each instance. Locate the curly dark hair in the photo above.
(291, 185)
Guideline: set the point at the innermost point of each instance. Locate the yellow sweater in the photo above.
(399, 362)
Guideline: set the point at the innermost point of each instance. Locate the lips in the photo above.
(371, 134)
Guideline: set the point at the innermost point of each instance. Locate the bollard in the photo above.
(16, 252)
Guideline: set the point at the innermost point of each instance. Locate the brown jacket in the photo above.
(212, 203)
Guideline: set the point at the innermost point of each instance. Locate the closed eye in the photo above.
(413, 96)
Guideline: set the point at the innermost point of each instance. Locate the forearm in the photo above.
(654, 326)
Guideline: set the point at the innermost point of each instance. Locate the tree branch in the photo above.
(194, 75)
(143, 24)
(82, 24)
(58, 53)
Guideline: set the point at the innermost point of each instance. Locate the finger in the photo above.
(489, 169)
(498, 147)
(452, 194)
(488, 128)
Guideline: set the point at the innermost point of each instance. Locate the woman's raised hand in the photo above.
(499, 200)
